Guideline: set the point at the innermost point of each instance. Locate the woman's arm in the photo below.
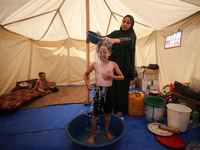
(111, 40)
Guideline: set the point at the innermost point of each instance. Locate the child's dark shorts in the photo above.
(102, 99)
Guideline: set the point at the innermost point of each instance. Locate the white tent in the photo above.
(50, 36)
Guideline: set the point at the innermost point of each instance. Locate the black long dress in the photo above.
(124, 55)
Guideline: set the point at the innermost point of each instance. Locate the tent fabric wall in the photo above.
(181, 63)
(176, 64)
(50, 36)
(59, 19)
(146, 50)
(64, 62)
(14, 59)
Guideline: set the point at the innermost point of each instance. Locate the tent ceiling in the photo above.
(53, 20)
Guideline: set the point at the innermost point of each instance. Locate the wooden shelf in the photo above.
(186, 98)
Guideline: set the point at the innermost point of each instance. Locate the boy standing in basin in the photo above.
(104, 75)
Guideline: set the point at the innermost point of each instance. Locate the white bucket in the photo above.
(178, 116)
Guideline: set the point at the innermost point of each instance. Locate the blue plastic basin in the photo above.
(83, 121)
(93, 37)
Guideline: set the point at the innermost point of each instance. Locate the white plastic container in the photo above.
(178, 116)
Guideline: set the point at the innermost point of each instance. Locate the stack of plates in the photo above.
(166, 137)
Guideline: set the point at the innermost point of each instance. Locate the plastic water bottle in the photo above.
(195, 118)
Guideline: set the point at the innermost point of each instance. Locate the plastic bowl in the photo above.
(155, 101)
(83, 121)
(93, 37)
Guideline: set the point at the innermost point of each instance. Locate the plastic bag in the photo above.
(195, 84)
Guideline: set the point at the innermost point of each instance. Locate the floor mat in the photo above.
(44, 129)
(66, 95)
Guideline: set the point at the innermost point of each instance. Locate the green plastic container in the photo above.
(154, 108)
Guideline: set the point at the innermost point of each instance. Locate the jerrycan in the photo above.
(136, 103)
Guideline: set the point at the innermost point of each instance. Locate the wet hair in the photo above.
(104, 43)
(40, 73)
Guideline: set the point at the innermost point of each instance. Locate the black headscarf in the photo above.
(130, 30)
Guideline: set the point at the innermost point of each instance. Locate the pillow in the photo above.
(24, 84)
(32, 81)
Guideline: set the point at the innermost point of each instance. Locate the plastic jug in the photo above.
(136, 103)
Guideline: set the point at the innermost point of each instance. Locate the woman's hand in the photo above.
(98, 33)
(107, 39)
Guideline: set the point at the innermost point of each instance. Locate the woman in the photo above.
(124, 55)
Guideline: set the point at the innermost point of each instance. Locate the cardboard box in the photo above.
(139, 83)
(151, 71)
(132, 82)
(149, 74)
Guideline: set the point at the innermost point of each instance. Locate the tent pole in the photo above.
(88, 44)
(156, 46)
(30, 63)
